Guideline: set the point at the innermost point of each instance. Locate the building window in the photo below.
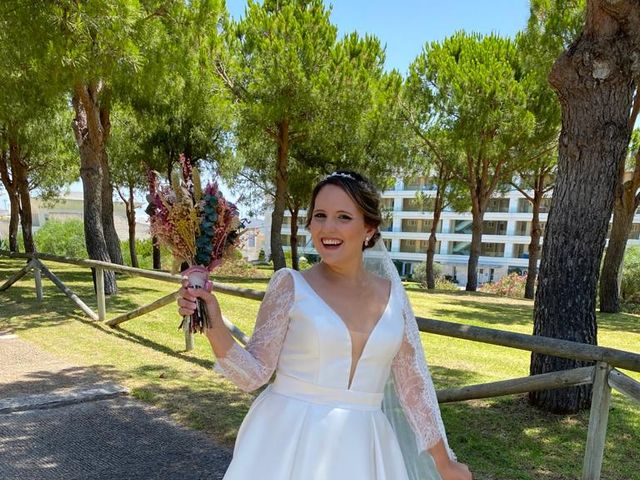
(462, 226)
(251, 242)
(459, 248)
(498, 205)
(492, 250)
(494, 228)
(523, 228)
(415, 205)
(520, 250)
(524, 206)
(387, 203)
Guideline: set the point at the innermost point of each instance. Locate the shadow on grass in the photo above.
(27, 312)
(493, 313)
(506, 438)
(622, 322)
(124, 334)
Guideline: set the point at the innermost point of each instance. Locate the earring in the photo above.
(366, 241)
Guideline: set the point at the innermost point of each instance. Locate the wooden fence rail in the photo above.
(603, 375)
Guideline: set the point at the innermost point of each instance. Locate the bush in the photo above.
(419, 273)
(511, 285)
(237, 266)
(630, 288)
(304, 261)
(62, 238)
(446, 284)
(144, 252)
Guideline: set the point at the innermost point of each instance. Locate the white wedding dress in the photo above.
(310, 424)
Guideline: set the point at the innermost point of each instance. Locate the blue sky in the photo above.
(405, 25)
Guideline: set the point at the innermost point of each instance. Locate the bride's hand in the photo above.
(455, 471)
(186, 299)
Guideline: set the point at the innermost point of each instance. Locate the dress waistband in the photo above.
(311, 392)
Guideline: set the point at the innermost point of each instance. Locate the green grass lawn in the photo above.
(499, 438)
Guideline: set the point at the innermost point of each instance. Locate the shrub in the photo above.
(144, 252)
(62, 238)
(446, 284)
(630, 288)
(419, 273)
(511, 285)
(237, 266)
(304, 261)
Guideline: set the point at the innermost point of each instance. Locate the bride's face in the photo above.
(337, 226)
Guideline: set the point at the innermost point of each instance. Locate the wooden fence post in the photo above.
(18, 275)
(598, 419)
(188, 336)
(37, 275)
(102, 310)
(67, 291)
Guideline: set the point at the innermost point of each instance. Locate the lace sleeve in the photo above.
(251, 367)
(416, 392)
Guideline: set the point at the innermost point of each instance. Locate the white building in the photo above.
(70, 205)
(505, 239)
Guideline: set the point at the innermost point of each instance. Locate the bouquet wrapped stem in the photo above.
(198, 225)
(198, 277)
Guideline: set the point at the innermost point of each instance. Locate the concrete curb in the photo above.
(53, 400)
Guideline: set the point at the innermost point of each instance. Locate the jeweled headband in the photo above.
(340, 174)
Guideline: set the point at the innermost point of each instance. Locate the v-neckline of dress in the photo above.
(344, 325)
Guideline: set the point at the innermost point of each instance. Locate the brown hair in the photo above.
(362, 192)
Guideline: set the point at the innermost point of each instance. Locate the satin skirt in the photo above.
(297, 430)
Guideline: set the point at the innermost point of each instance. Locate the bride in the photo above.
(352, 397)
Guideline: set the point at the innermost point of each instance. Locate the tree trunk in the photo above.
(611, 275)
(476, 245)
(14, 220)
(21, 181)
(295, 264)
(131, 221)
(534, 245)
(594, 82)
(155, 250)
(280, 202)
(6, 174)
(431, 245)
(108, 224)
(88, 131)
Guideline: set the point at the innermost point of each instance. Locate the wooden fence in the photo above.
(604, 375)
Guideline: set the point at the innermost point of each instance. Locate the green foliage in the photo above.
(511, 285)
(62, 238)
(419, 272)
(237, 266)
(630, 288)
(303, 261)
(445, 284)
(176, 97)
(144, 253)
(328, 100)
(468, 102)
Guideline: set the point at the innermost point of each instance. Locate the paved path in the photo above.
(58, 421)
